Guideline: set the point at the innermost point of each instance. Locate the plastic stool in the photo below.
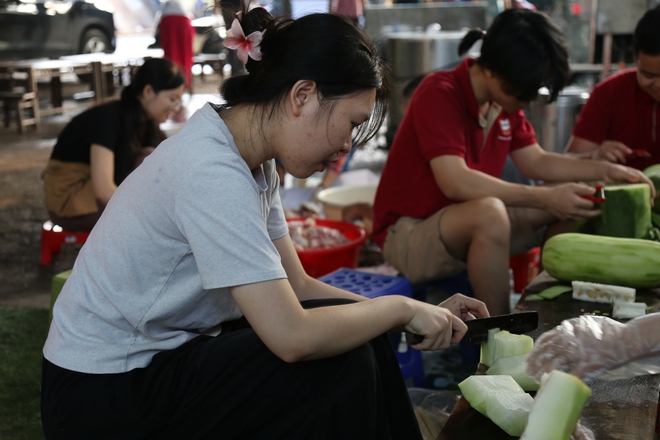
(525, 267)
(53, 237)
(374, 285)
(56, 287)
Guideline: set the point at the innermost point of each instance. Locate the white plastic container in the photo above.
(335, 199)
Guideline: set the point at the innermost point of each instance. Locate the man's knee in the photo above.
(492, 217)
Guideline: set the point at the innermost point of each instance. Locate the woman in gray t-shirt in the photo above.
(188, 313)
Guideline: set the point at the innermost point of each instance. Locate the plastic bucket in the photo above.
(319, 262)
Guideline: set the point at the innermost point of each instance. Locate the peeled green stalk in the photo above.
(487, 356)
(509, 344)
(500, 399)
(514, 366)
(557, 407)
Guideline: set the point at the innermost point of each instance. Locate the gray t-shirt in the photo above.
(153, 274)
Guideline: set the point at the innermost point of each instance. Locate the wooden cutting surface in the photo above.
(617, 410)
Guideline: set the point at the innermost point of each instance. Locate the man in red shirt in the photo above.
(441, 207)
(622, 114)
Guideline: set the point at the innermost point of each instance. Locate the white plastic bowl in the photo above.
(337, 198)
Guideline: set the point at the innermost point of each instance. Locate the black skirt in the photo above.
(232, 387)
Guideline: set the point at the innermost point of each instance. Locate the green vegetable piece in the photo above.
(488, 348)
(500, 399)
(626, 212)
(554, 291)
(557, 407)
(515, 366)
(653, 173)
(509, 344)
(533, 297)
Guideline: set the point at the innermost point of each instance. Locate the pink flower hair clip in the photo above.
(245, 46)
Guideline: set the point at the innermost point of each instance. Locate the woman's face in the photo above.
(508, 102)
(322, 132)
(162, 105)
(648, 74)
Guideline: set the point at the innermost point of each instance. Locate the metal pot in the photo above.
(415, 53)
(553, 122)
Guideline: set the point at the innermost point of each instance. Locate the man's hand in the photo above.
(566, 202)
(619, 173)
(611, 151)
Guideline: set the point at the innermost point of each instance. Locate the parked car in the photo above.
(53, 28)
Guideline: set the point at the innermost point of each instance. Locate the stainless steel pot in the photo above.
(553, 122)
(415, 53)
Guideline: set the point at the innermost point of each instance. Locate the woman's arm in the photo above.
(102, 169)
(294, 334)
(304, 286)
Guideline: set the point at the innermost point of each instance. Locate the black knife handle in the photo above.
(413, 339)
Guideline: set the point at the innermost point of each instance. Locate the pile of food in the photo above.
(502, 393)
(306, 235)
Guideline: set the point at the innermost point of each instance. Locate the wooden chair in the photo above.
(19, 96)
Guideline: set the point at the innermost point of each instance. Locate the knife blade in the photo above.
(477, 331)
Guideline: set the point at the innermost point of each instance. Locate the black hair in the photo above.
(526, 50)
(324, 48)
(138, 129)
(646, 38)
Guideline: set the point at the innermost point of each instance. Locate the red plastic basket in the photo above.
(319, 262)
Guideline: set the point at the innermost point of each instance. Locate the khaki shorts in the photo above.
(68, 189)
(414, 246)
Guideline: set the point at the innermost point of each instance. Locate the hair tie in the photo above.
(244, 46)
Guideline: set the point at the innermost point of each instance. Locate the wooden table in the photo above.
(52, 70)
(617, 410)
(100, 66)
(104, 66)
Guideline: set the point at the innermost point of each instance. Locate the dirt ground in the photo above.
(23, 281)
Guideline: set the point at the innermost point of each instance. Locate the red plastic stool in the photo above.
(525, 267)
(53, 237)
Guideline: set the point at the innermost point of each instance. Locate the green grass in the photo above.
(22, 335)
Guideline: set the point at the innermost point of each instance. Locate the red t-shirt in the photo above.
(442, 118)
(619, 110)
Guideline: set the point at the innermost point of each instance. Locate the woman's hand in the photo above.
(465, 307)
(443, 325)
(438, 325)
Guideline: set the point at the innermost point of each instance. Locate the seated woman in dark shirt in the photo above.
(101, 146)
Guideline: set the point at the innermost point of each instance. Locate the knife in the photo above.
(477, 331)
